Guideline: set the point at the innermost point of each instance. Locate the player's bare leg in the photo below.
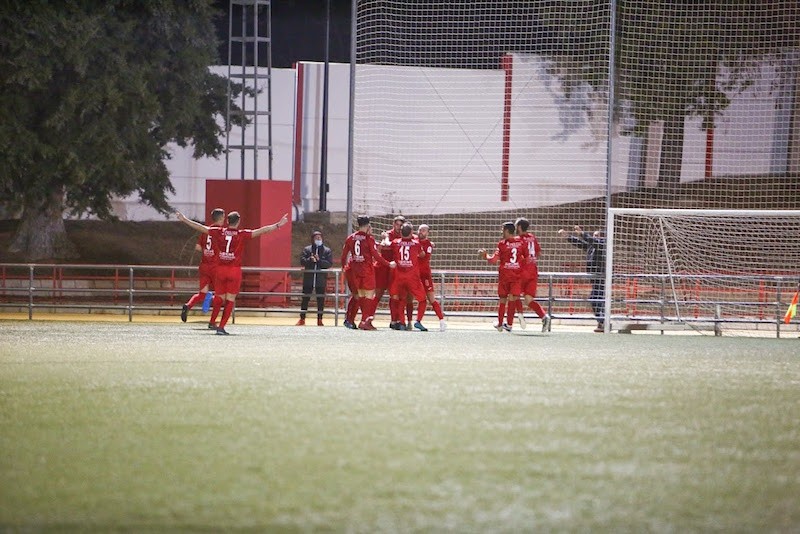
(409, 310)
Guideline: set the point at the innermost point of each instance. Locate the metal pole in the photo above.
(228, 100)
(323, 160)
(612, 44)
(130, 295)
(351, 115)
(244, 63)
(30, 292)
(269, 88)
(255, 85)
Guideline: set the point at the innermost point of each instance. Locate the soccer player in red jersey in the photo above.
(230, 243)
(406, 281)
(425, 273)
(511, 254)
(383, 275)
(530, 275)
(208, 264)
(352, 302)
(362, 250)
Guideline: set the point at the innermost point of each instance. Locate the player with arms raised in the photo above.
(407, 252)
(425, 273)
(230, 243)
(208, 265)
(530, 275)
(511, 254)
(360, 252)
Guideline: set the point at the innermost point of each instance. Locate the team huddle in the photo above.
(400, 264)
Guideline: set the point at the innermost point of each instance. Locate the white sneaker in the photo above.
(521, 319)
(442, 325)
(546, 323)
(498, 327)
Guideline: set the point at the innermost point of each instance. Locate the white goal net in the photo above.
(731, 270)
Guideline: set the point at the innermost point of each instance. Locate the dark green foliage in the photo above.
(91, 93)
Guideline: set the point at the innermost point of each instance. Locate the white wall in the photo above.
(429, 140)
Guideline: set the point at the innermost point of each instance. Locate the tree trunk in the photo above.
(41, 234)
(672, 152)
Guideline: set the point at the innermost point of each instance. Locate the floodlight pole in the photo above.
(351, 113)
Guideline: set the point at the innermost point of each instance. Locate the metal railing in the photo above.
(133, 289)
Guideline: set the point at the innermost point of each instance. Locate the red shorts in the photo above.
(228, 279)
(405, 283)
(363, 279)
(530, 281)
(427, 282)
(382, 277)
(509, 285)
(207, 273)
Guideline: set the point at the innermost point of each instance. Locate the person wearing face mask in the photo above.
(315, 259)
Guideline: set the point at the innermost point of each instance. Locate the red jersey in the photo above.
(425, 263)
(230, 243)
(512, 255)
(386, 250)
(405, 252)
(534, 250)
(210, 254)
(363, 250)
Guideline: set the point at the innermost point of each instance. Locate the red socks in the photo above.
(437, 309)
(226, 314)
(501, 313)
(216, 305)
(197, 297)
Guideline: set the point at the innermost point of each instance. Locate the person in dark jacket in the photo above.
(595, 246)
(315, 259)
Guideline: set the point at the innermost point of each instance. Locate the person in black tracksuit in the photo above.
(595, 246)
(315, 258)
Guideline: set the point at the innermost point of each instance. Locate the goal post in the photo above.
(725, 268)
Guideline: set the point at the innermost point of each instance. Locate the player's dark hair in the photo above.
(509, 226)
(217, 214)
(406, 230)
(234, 218)
(362, 221)
(399, 218)
(523, 224)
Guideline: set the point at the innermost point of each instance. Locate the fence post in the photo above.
(130, 294)
(335, 298)
(30, 292)
(778, 309)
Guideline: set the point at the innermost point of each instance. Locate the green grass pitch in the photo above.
(164, 427)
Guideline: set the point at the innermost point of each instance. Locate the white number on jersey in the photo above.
(208, 241)
(513, 255)
(228, 239)
(357, 248)
(405, 254)
(532, 249)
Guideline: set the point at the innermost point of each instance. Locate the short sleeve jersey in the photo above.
(206, 242)
(425, 263)
(534, 250)
(406, 253)
(361, 247)
(513, 255)
(230, 244)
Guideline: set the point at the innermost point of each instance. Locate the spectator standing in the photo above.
(316, 258)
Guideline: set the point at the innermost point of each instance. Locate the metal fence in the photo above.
(758, 302)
